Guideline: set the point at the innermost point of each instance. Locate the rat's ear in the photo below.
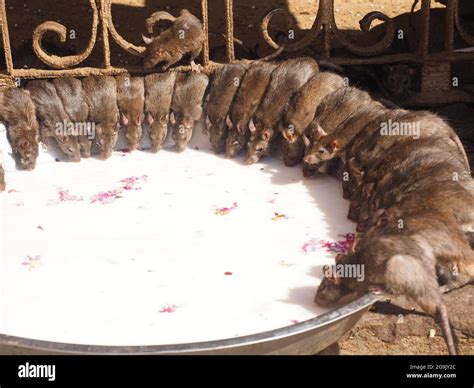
(228, 122)
(320, 131)
(252, 127)
(149, 118)
(172, 118)
(123, 119)
(336, 145)
(207, 125)
(267, 134)
(382, 222)
(306, 141)
(164, 119)
(369, 189)
(146, 40)
(332, 278)
(187, 121)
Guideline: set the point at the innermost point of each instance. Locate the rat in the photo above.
(131, 104)
(393, 265)
(224, 85)
(52, 118)
(18, 113)
(447, 242)
(252, 89)
(305, 102)
(72, 96)
(339, 118)
(186, 107)
(285, 80)
(438, 168)
(301, 112)
(408, 157)
(101, 98)
(158, 97)
(184, 38)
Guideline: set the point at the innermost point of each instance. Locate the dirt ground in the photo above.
(387, 329)
(397, 328)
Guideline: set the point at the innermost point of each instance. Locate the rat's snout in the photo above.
(105, 154)
(328, 294)
(310, 159)
(251, 160)
(180, 147)
(75, 158)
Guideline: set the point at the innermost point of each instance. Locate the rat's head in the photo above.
(293, 152)
(85, 144)
(106, 138)
(217, 133)
(69, 145)
(258, 143)
(132, 122)
(158, 130)
(182, 131)
(237, 138)
(398, 79)
(319, 148)
(24, 143)
(331, 289)
(154, 52)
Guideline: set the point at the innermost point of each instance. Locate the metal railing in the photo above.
(324, 28)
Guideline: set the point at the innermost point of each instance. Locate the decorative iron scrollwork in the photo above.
(58, 62)
(325, 21)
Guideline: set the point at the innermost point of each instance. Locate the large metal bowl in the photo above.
(307, 337)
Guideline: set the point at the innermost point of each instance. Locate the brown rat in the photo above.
(301, 112)
(285, 80)
(186, 107)
(339, 118)
(246, 102)
(131, 104)
(224, 85)
(158, 97)
(72, 96)
(443, 236)
(53, 119)
(305, 102)
(185, 37)
(395, 266)
(18, 112)
(101, 98)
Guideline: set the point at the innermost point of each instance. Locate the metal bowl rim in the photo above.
(298, 328)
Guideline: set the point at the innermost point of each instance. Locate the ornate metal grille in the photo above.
(435, 66)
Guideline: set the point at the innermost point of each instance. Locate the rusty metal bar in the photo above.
(229, 14)
(425, 28)
(449, 33)
(205, 23)
(6, 38)
(104, 20)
